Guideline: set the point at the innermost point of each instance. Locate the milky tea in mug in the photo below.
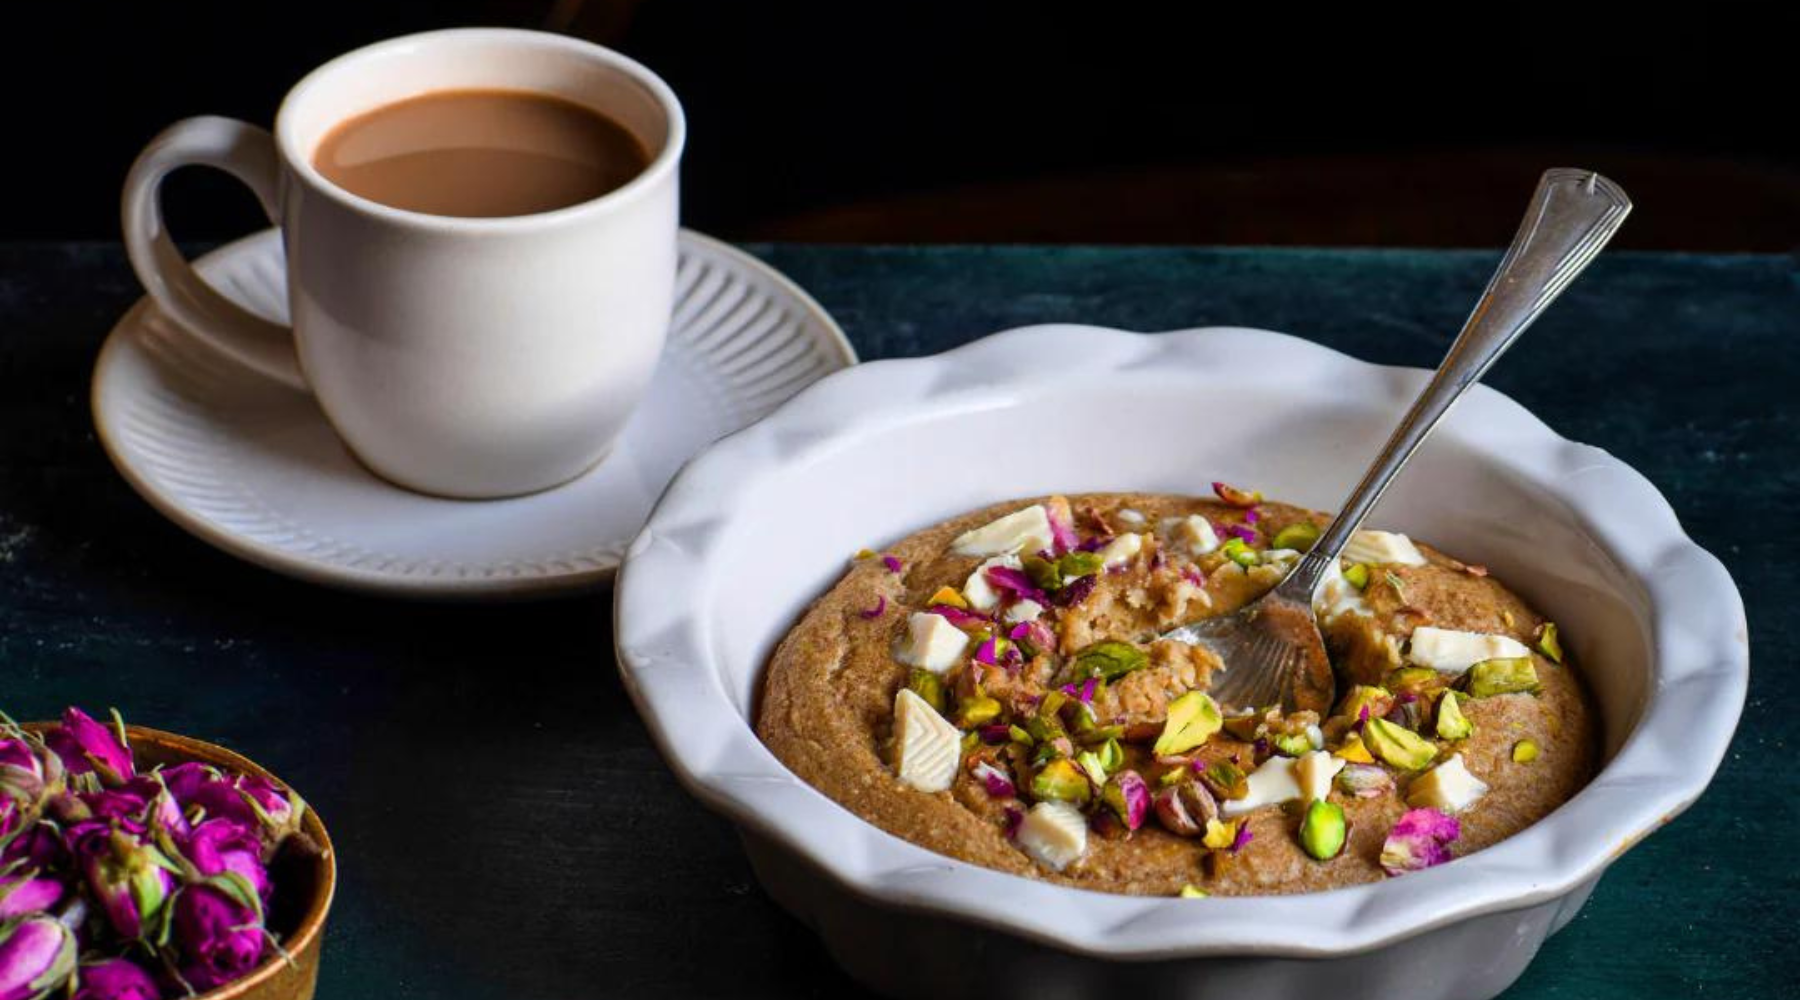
(481, 153)
(479, 229)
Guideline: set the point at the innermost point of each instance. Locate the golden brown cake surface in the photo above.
(828, 707)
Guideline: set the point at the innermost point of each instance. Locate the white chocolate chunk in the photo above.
(1383, 547)
(1452, 652)
(1121, 550)
(980, 594)
(1313, 773)
(1269, 784)
(1024, 611)
(1196, 533)
(1054, 834)
(1337, 597)
(927, 747)
(1448, 787)
(1127, 515)
(932, 643)
(1026, 530)
(1282, 559)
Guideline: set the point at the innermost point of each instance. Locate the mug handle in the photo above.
(247, 153)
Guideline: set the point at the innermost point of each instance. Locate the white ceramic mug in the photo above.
(465, 357)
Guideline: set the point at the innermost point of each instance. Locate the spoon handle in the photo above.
(1572, 215)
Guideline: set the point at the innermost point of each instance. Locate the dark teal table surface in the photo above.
(504, 826)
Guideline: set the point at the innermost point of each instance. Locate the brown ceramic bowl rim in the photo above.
(312, 924)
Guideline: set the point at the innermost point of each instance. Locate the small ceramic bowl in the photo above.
(304, 883)
(765, 521)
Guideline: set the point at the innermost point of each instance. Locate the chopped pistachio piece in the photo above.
(1354, 751)
(1548, 644)
(1128, 796)
(950, 596)
(928, 686)
(1225, 780)
(1193, 718)
(1509, 676)
(1376, 699)
(1322, 832)
(1061, 781)
(1075, 565)
(1291, 744)
(1418, 680)
(1408, 713)
(1448, 787)
(1112, 755)
(1358, 575)
(1192, 891)
(1110, 660)
(977, 710)
(1042, 573)
(1525, 751)
(1365, 781)
(1298, 536)
(1090, 765)
(1220, 834)
(1236, 497)
(1098, 736)
(1398, 746)
(1043, 728)
(1242, 727)
(1452, 724)
(1240, 552)
(1185, 808)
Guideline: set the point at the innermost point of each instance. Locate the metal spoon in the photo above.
(1272, 650)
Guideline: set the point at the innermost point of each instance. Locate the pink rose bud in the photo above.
(115, 979)
(37, 956)
(20, 895)
(24, 776)
(218, 936)
(129, 878)
(217, 846)
(87, 745)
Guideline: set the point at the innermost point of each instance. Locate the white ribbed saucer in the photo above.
(255, 469)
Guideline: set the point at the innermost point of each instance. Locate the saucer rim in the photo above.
(379, 582)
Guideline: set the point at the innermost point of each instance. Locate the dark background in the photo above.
(929, 121)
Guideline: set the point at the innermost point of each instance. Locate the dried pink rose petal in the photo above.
(1420, 840)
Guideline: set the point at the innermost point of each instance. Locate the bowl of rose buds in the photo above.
(139, 865)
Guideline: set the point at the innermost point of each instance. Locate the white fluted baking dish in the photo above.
(763, 522)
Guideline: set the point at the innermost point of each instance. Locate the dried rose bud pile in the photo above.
(117, 884)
